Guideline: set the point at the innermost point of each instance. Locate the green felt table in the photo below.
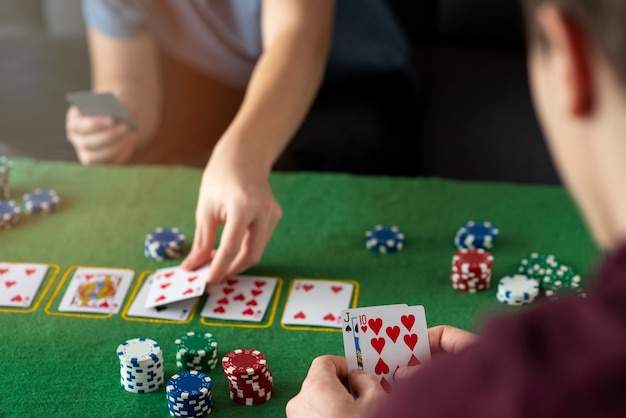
(65, 366)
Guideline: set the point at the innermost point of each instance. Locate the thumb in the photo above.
(404, 373)
(364, 384)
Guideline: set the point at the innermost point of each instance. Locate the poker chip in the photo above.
(189, 394)
(5, 171)
(41, 201)
(517, 290)
(384, 239)
(164, 243)
(9, 214)
(141, 365)
(556, 278)
(471, 270)
(249, 377)
(476, 234)
(196, 351)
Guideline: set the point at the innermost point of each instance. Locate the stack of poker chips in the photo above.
(196, 351)
(471, 270)
(9, 213)
(5, 171)
(141, 365)
(249, 376)
(556, 278)
(384, 239)
(164, 244)
(476, 234)
(41, 201)
(189, 394)
(517, 290)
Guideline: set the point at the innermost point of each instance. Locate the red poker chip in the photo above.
(472, 259)
(250, 394)
(251, 401)
(250, 378)
(244, 362)
(240, 388)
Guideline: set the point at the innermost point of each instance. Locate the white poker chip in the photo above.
(517, 289)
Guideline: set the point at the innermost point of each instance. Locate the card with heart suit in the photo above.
(175, 311)
(96, 290)
(20, 282)
(172, 284)
(241, 298)
(317, 302)
(386, 338)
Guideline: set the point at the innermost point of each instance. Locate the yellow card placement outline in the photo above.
(131, 298)
(47, 283)
(270, 320)
(69, 270)
(355, 297)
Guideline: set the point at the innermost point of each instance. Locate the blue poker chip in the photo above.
(384, 239)
(41, 201)
(476, 234)
(164, 243)
(189, 384)
(9, 213)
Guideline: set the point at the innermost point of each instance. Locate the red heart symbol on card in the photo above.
(307, 287)
(381, 367)
(413, 361)
(410, 340)
(223, 301)
(363, 328)
(165, 285)
(29, 271)
(2, 271)
(16, 298)
(336, 289)
(10, 283)
(259, 283)
(408, 321)
(378, 344)
(104, 304)
(248, 312)
(251, 302)
(386, 385)
(191, 279)
(228, 290)
(256, 292)
(240, 297)
(393, 333)
(219, 309)
(299, 315)
(160, 298)
(88, 276)
(329, 317)
(375, 324)
(188, 291)
(232, 282)
(168, 274)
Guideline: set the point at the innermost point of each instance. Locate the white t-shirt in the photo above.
(223, 37)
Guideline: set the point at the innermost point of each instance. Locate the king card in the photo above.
(96, 290)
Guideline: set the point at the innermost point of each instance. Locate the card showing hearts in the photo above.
(20, 282)
(177, 311)
(97, 290)
(172, 284)
(317, 302)
(241, 298)
(379, 339)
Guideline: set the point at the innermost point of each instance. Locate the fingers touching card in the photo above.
(172, 284)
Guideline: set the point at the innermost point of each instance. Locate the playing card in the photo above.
(176, 311)
(172, 284)
(97, 290)
(317, 302)
(90, 103)
(20, 282)
(389, 337)
(241, 298)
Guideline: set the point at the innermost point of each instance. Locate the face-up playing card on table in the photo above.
(96, 290)
(19, 283)
(317, 302)
(387, 337)
(241, 298)
(175, 311)
(172, 284)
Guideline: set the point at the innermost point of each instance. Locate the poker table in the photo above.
(53, 365)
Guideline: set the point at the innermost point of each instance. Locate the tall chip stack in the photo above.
(196, 351)
(249, 376)
(141, 365)
(189, 394)
(471, 270)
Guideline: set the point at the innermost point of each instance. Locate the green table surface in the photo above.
(58, 366)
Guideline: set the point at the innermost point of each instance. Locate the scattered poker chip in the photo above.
(41, 201)
(9, 213)
(384, 239)
(141, 365)
(476, 234)
(517, 290)
(249, 376)
(471, 270)
(196, 351)
(556, 279)
(189, 394)
(164, 243)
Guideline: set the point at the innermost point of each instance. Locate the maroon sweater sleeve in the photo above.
(558, 359)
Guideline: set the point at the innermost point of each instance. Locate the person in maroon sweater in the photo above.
(561, 359)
